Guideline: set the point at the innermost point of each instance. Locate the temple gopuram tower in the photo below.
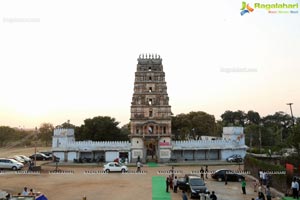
(150, 112)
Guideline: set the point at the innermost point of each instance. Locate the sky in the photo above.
(71, 60)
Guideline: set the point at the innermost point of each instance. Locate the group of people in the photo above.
(259, 187)
(171, 182)
(202, 172)
(25, 192)
(213, 196)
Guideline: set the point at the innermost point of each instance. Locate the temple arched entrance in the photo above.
(151, 149)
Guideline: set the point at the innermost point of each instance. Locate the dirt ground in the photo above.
(76, 182)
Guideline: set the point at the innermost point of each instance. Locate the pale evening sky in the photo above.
(72, 60)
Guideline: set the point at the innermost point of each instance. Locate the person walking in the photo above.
(202, 173)
(255, 185)
(138, 164)
(243, 186)
(175, 184)
(184, 197)
(171, 182)
(206, 172)
(225, 178)
(167, 184)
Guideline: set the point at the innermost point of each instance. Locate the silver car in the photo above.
(6, 163)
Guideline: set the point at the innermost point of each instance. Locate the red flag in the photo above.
(289, 168)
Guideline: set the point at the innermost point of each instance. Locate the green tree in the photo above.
(253, 117)
(193, 125)
(237, 118)
(280, 123)
(46, 132)
(100, 129)
(125, 129)
(228, 118)
(6, 134)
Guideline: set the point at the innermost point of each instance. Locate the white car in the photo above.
(27, 159)
(115, 167)
(6, 163)
(19, 159)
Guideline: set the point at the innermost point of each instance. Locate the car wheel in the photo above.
(44, 158)
(107, 170)
(123, 170)
(220, 179)
(14, 168)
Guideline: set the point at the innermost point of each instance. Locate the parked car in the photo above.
(27, 159)
(234, 158)
(192, 184)
(231, 176)
(47, 153)
(19, 159)
(6, 163)
(40, 156)
(115, 167)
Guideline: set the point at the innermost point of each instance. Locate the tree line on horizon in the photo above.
(276, 130)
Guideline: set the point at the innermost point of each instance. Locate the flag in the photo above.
(289, 168)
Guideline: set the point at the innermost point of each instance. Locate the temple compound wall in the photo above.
(67, 149)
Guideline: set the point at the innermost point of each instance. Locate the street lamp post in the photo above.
(290, 104)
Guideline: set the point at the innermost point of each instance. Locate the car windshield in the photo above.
(197, 182)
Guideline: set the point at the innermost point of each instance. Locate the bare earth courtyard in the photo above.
(88, 181)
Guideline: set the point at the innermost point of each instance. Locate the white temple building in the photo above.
(67, 149)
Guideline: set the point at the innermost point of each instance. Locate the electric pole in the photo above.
(290, 104)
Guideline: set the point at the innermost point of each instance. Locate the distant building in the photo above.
(150, 129)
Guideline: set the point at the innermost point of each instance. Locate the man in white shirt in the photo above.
(295, 188)
(25, 192)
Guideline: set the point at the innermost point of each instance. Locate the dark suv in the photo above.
(193, 184)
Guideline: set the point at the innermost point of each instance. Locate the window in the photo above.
(137, 131)
(164, 129)
(150, 102)
(149, 69)
(150, 78)
(150, 89)
(150, 113)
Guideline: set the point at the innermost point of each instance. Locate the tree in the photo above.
(280, 123)
(294, 139)
(193, 125)
(66, 125)
(253, 117)
(125, 129)
(228, 118)
(237, 118)
(6, 133)
(100, 129)
(46, 132)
